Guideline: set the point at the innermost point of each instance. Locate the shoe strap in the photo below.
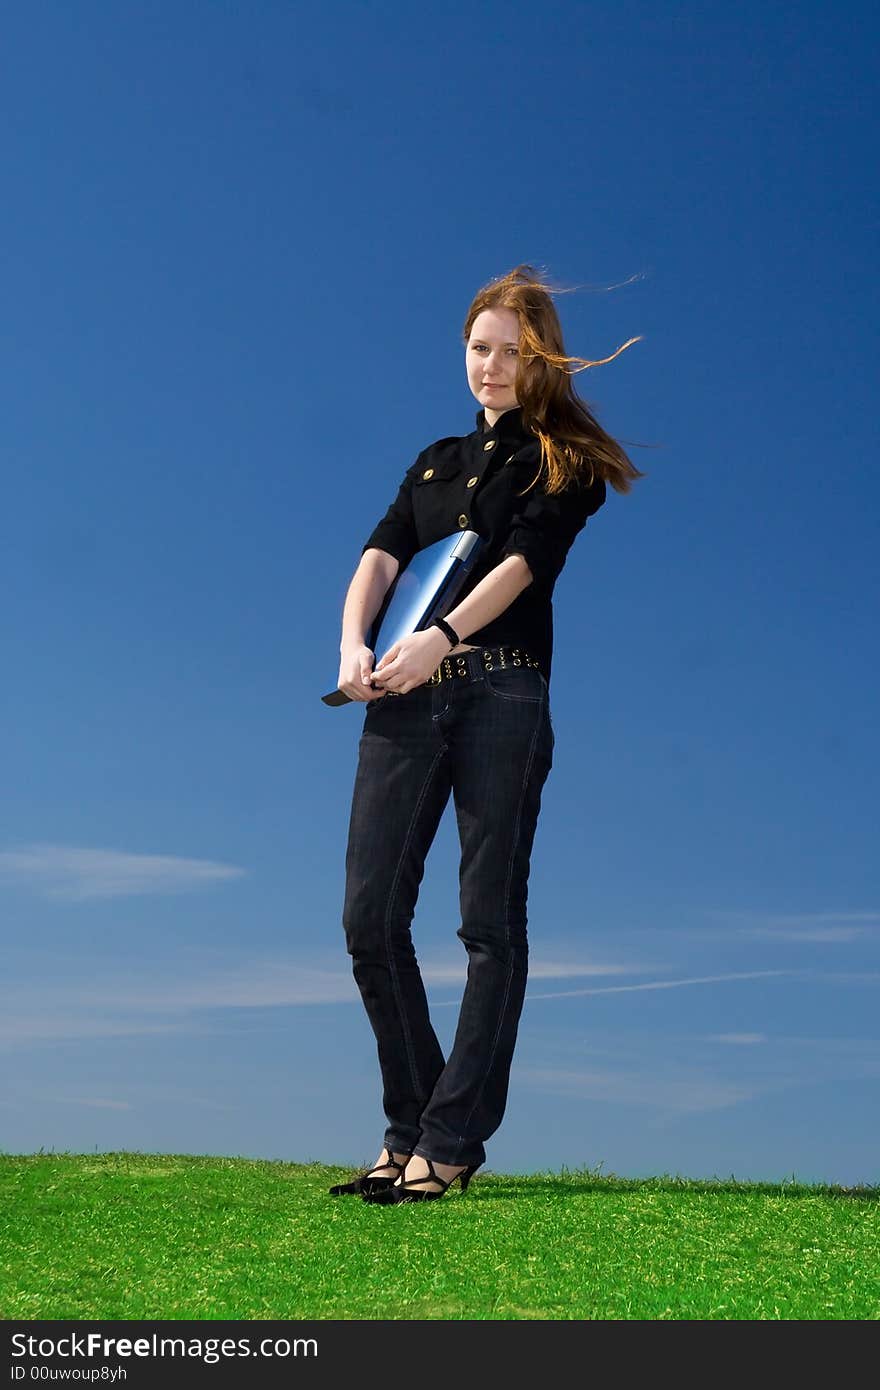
(392, 1163)
(431, 1176)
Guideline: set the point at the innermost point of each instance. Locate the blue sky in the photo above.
(239, 245)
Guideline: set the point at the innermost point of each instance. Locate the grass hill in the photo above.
(154, 1236)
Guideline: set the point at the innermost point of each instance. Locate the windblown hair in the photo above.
(570, 435)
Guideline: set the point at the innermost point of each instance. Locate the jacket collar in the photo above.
(507, 426)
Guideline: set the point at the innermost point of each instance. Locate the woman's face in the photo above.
(491, 358)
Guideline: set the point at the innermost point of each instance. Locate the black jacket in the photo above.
(472, 482)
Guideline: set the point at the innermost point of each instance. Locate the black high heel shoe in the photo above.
(366, 1184)
(409, 1190)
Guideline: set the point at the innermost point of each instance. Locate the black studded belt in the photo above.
(480, 659)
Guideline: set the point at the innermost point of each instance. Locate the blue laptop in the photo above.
(426, 589)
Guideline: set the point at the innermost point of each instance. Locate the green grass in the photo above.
(147, 1236)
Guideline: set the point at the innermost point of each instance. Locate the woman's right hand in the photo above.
(356, 673)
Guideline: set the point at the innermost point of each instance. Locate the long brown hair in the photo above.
(571, 437)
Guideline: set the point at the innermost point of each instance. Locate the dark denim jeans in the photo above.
(486, 737)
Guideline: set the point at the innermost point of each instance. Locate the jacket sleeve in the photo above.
(396, 532)
(544, 527)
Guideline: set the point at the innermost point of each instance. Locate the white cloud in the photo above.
(667, 1078)
(63, 872)
(96, 1103)
(252, 984)
(684, 1094)
(454, 971)
(37, 1024)
(738, 1039)
(138, 1003)
(851, 977)
(108, 1006)
(825, 927)
(255, 985)
(662, 984)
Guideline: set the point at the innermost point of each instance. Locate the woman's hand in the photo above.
(411, 661)
(356, 672)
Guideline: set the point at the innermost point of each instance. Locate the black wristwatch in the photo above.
(450, 632)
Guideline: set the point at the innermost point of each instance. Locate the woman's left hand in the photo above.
(411, 661)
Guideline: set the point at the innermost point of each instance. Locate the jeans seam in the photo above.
(522, 795)
(389, 954)
(519, 809)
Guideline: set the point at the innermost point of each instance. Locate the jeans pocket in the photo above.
(517, 683)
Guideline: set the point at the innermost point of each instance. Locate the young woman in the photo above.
(463, 707)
